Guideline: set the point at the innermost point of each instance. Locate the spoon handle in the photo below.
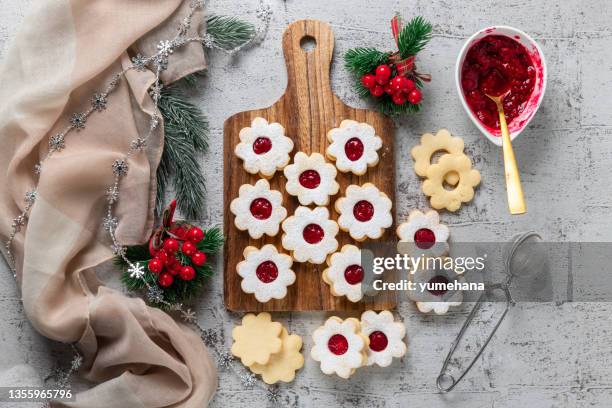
(516, 201)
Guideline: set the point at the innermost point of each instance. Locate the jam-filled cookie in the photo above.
(265, 273)
(345, 274)
(263, 147)
(311, 179)
(354, 146)
(385, 335)
(365, 212)
(258, 209)
(310, 235)
(339, 346)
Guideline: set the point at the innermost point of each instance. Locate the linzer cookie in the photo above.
(265, 273)
(258, 209)
(345, 274)
(385, 335)
(263, 147)
(310, 235)
(365, 212)
(311, 179)
(354, 146)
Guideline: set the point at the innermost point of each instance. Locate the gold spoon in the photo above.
(516, 201)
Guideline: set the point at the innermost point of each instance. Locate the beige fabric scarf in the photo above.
(66, 51)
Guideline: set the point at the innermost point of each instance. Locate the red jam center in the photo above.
(437, 291)
(310, 179)
(313, 233)
(267, 272)
(353, 274)
(337, 344)
(424, 238)
(363, 211)
(493, 65)
(262, 145)
(261, 208)
(378, 341)
(353, 148)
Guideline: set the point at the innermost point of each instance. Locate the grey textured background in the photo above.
(545, 355)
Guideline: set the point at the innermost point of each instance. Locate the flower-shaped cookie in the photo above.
(345, 274)
(354, 147)
(339, 346)
(265, 273)
(311, 179)
(258, 209)
(256, 339)
(432, 292)
(263, 147)
(423, 234)
(385, 336)
(462, 192)
(310, 234)
(282, 365)
(365, 212)
(430, 144)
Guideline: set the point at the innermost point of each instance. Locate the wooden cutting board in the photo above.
(307, 110)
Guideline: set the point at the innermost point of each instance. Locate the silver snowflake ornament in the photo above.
(77, 120)
(57, 142)
(138, 144)
(264, 12)
(114, 82)
(155, 295)
(37, 169)
(139, 62)
(154, 121)
(76, 363)
(118, 250)
(248, 380)
(165, 48)
(208, 41)
(120, 168)
(98, 102)
(136, 270)
(112, 194)
(188, 316)
(155, 91)
(110, 223)
(225, 360)
(273, 395)
(18, 222)
(30, 196)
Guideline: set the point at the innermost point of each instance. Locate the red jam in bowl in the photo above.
(496, 64)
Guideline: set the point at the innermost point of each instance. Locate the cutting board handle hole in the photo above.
(308, 43)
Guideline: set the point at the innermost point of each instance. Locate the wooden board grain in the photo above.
(307, 110)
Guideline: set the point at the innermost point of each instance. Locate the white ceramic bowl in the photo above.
(519, 123)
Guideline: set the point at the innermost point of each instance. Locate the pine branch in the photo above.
(414, 37)
(360, 61)
(228, 32)
(186, 136)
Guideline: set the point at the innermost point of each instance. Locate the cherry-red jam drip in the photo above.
(353, 148)
(494, 63)
(313, 233)
(353, 274)
(261, 208)
(438, 279)
(262, 145)
(337, 344)
(267, 272)
(363, 211)
(378, 341)
(310, 179)
(424, 238)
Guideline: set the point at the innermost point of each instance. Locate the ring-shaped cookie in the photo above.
(463, 192)
(430, 144)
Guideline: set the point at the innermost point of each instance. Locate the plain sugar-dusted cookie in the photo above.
(282, 365)
(256, 339)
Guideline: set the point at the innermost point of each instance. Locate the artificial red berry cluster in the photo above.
(399, 88)
(167, 261)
